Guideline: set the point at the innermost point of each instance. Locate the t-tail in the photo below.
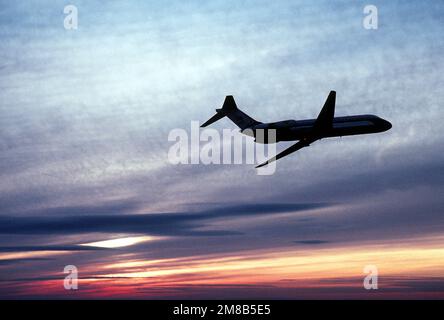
(230, 110)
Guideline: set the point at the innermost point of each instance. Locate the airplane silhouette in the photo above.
(326, 125)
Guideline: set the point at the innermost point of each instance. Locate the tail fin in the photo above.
(230, 110)
(229, 104)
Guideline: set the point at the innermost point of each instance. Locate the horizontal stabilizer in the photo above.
(230, 110)
(219, 115)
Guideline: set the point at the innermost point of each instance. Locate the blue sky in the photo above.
(85, 116)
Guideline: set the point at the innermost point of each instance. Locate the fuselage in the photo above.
(290, 130)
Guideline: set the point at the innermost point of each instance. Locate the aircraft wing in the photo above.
(297, 146)
(324, 122)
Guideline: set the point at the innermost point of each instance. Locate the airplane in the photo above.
(306, 132)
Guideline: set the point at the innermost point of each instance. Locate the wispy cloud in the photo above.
(85, 117)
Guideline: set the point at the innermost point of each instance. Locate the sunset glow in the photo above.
(120, 242)
(88, 124)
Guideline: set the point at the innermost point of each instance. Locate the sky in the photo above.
(85, 178)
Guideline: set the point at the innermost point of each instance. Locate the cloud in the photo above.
(86, 115)
(173, 224)
(311, 242)
(5, 262)
(49, 248)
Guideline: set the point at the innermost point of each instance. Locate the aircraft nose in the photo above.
(386, 125)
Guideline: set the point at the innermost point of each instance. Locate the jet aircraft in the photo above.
(326, 125)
